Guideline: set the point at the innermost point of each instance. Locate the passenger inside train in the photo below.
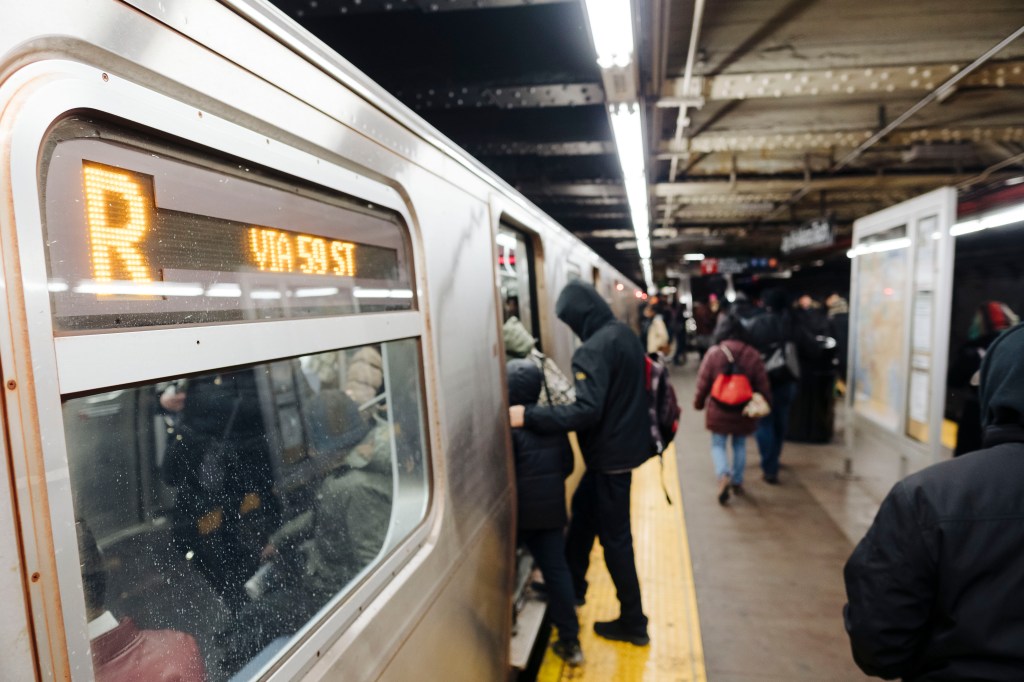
(263, 493)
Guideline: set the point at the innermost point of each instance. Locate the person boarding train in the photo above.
(610, 417)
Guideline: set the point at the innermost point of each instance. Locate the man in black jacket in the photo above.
(936, 587)
(611, 421)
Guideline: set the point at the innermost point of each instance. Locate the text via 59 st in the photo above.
(122, 218)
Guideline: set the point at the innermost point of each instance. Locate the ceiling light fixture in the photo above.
(611, 25)
(693, 256)
(1007, 217)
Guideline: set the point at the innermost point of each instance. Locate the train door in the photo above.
(203, 407)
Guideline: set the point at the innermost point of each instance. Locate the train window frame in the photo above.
(52, 367)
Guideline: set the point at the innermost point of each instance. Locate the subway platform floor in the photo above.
(768, 565)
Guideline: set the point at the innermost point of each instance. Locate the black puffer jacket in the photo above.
(610, 412)
(543, 460)
(936, 587)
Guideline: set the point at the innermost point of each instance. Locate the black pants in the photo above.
(600, 509)
(548, 549)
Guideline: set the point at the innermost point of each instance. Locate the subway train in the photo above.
(254, 415)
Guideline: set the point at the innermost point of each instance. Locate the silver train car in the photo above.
(254, 408)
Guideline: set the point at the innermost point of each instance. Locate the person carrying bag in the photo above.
(733, 385)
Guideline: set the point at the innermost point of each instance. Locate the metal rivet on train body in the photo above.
(35, 577)
(105, 78)
(12, 384)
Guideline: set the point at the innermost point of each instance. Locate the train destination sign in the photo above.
(131, 239)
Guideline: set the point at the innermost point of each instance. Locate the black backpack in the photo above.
(662, 406)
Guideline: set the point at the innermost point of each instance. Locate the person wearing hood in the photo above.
(936, 587)
(611, 421)
(990, 319)
(543, 461)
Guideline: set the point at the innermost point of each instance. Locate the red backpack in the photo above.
(731, 390)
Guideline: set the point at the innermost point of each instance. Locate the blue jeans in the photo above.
(739, 456)
(771, 430)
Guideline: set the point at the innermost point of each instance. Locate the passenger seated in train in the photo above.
(543, 461)
(121, 652)
(322, 548)
(218, 460)
(557, 390)
(935, 587)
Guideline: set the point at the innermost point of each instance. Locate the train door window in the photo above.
(516, 278)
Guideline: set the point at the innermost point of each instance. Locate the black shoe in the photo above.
(569, 651)
(580, 601)
(772, 480)
(614, 629)
(738, 489)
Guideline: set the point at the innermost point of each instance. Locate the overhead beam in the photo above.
(776, 186)
(580, 148)
(759, 140)
(325, 8)
(503, 96)
(831, 83)
(748, 190)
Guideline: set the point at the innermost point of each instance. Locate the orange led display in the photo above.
(278, 251)
(119, 213)
(131, 239)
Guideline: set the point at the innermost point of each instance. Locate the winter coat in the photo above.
(543, 460)
(748, 362)
(936, 587)
(656, 338)
(610, 413)
(348, 520)
(128, 653)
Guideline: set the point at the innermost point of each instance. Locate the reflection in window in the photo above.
(229, 509)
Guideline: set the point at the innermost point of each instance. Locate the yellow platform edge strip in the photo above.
(662, 549)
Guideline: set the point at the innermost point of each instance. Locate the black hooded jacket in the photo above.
(543, 460)
(610, 413)
(936, 587)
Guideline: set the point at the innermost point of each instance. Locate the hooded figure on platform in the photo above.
(611, 420)
(936, 587)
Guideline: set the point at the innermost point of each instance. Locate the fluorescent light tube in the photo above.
(611, 24)
(1007, 217)
(879, 247)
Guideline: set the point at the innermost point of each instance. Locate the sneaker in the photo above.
(723, 488)
(569, 651)
(614, 629)
(737, 489)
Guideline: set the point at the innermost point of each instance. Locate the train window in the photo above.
(516, 278)
(233, 510)
(139, 234)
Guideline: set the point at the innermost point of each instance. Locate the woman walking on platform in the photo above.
(730, 377)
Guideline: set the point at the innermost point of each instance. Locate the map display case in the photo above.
(901, 292)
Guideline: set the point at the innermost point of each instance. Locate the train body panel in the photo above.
(236, 82)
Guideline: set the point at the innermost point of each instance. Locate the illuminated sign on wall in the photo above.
(131, 239)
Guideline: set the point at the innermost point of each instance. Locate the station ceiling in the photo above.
(784, 92)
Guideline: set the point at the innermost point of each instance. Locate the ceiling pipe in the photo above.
(681, 120)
